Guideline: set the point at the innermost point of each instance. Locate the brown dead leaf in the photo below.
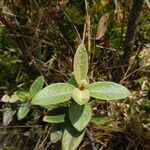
(102, 26)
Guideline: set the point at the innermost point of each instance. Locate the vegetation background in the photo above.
(40, 37)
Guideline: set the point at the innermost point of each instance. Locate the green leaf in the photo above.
(22, 95)
(108, 91)
(54, 119)
(56, 133)
(14, 98)
(81, 64)
(73, 81)
(81, 97)
(57, 115)
(53, 94)
(100, 120)
(36, 86)
(56, 136)
(22, 112)
(71, 139)
(80, 115)
(7, 116)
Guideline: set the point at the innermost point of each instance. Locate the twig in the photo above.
(73, 25)
(128, 69)
(84, 33)
(47, 135)
(88, 22)
(91, 139)
(24, 47)
(133, 73)
(36, 29)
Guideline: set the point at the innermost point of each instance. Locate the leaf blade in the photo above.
(56, 115)
(7, 116)
(108, 91)
(54, 119)
(71, 139)
(53, 94)
(22, 112)
(80, 115)
(36, 86)
(81, 64)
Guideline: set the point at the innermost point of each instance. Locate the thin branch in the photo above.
(132, 63)
(88, 22)
(84, 33)
(91, 139)
(75, 28)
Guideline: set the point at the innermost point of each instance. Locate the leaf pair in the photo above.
(80, 111)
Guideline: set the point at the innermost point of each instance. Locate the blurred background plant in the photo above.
(39, 37)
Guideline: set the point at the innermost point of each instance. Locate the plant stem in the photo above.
(91, 139)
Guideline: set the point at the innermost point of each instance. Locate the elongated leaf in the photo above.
(80, 115)
(53, 94)
(81, 64)
(108, 91)
(81, 97)
(22, 112)
(71, 139)
(7, 116)
(36, 86)
(57, 115)
(54, 119)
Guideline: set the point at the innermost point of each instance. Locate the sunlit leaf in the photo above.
(14, 98)
(81, 96)
(22, 112)
(80, 115)
(108, 91)
(53, 94)
(81, 64)
(71, 139)
(36, 86)
(5, 98)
